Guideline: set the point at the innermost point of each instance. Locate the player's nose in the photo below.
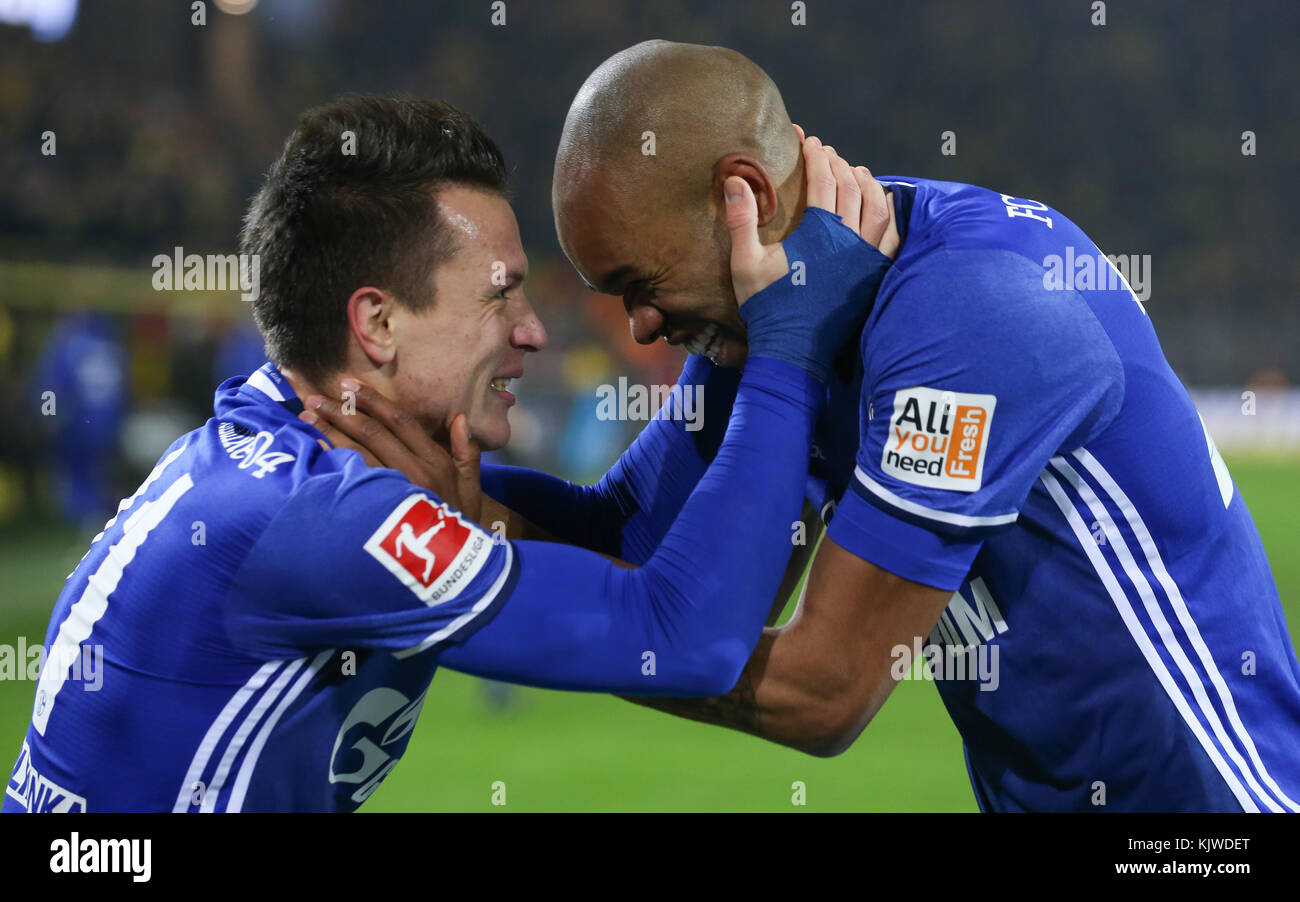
(528, 334)
(645, 321)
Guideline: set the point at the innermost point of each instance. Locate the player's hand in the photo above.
(849, 192)
(809, 318)
(388, 436)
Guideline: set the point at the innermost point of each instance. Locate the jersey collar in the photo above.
(265, 384)
(904, 195)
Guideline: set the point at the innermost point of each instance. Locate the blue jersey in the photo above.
(1013, 432)
(211, 613)
(257, 627)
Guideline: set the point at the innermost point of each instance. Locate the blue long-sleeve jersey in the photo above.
(257, 627)
(1008, 428)
(1014, 433)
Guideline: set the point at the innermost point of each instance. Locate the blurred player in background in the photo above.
(83, 375)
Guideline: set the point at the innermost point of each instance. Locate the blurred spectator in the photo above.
(81, 387)
(239, 354)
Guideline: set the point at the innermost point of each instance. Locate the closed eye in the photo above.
(636, 289)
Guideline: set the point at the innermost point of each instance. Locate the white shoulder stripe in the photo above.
(260, 381)
(918, 510)
(451, 628)
(1157, 565)
(255, 750)
(1144, 644)
(236, 744)
(1164, 632)
(87, 610)
(144, 487)
(218, 729)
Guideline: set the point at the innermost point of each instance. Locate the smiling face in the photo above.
(670, 267)
(459, 355)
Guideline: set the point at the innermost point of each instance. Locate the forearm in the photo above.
(768, 704)
(800, 558)
(628, 513)
(810, 685)
(519, 503)
(685, 622)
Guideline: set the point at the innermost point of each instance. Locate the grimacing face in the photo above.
(671, 269)
(460, 354)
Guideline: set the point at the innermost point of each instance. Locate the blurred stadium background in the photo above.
(163, 127)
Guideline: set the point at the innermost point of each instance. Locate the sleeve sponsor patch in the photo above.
(938, 438)
(430, 549)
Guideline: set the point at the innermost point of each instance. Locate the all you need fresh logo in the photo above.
(938, 438)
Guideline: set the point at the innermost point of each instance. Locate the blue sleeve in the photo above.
(628, 512)
(362, 557)
(687, 621)
(975, 377)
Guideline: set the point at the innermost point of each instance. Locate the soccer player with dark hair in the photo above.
(270, 611)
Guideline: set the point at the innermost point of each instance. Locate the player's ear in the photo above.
(748, 168)
(370, 312)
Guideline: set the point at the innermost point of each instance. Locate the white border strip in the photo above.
(1179, 605)
(87, 610)
(455, 625)
(236, 744)
(1157, 616)
(262, 382)
(218, 729)
(1140, 637)
(915, 509)
(246, 769)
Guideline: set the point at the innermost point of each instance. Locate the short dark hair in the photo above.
(350, 202)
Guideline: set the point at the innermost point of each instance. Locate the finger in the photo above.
(465, 455)
(848, 195)
(368, 434)
(821, 182)
(875, 207)
(799, 129)
(334, 439)
(401, 424)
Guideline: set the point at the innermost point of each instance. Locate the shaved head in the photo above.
(649, 139)
(699, 104)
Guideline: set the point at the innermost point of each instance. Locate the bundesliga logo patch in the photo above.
(430, 549)
(938, 438)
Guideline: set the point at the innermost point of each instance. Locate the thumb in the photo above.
(742, 222)
(753, 266)
(465, 456)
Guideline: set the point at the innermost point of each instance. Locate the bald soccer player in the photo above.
(1021, 497)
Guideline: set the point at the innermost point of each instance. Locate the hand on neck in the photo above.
(327, 386)
(792, 199)
(330, 385)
